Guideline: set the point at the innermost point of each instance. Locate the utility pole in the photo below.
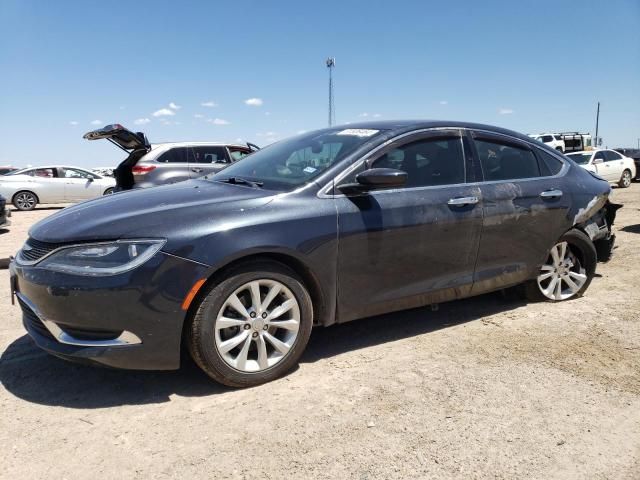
(597, 121)
(331, 63)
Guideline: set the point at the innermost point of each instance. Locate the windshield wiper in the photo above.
(241, 181)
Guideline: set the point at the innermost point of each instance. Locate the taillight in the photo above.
(142, 169)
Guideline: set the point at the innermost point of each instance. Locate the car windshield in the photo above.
(580, 158)
(294, 162)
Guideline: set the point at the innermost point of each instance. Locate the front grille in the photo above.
(32, 320)
(35, 249)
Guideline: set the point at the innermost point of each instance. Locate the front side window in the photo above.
(506, 161)
(213, 154)
(427, 162)
(73, 173)
(547, 138)
(599, 156)
(289, 164)
(44, 173)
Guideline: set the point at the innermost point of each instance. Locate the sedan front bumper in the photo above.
(133, 320)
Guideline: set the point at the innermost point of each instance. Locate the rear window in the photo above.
(549, 165)
(213, 154)
(174, 155)
(506, 162)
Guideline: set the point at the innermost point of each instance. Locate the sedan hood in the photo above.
(174, 212)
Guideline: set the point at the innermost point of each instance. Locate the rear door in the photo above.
(207, 159)
(525, 203)
(79, 185)
(614, 165)
(171, 166)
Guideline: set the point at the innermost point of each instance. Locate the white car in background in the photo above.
(608, 164)
(28, 187)
(551, 139)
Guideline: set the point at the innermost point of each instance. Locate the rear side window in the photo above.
(44, 173)
(174, 155)
(506, 162)
(549, 164)
(610, 155)
(428, 162)
(213, 154)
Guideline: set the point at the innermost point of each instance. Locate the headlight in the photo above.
(100, 259)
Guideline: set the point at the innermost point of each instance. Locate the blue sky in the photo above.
(530, 66)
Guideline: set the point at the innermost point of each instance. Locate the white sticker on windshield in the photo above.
(309, 170)
(358, 132)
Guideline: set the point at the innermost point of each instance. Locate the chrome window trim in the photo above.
(126, 338)
(323, 192)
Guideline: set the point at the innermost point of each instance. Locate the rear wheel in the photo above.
(253, 326)
(25, 200)
(568, 270)
(625, 180)
(109, 191)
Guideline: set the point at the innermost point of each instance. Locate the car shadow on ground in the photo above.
(631, 228)
(34, 376)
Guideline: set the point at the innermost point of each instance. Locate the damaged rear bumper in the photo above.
(599, 229)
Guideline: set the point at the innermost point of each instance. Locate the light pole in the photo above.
(331, 63)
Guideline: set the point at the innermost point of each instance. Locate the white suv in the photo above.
(554, 141)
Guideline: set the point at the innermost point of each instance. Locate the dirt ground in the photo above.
(489, 387)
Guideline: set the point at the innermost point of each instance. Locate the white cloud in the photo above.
(164, 112)
(376, 115)
(96, 122)
(198, 115)
(209, 104)
(173, 106)
(141, 121)
(364, 114)
(266, 134)
(254, 102)
(505, 111)
(218, 121)
(73, 123)
(300, 132)
(267, 113)
(122, 107)
(444, 102)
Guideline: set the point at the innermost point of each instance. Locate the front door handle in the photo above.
(461, 201)
(551, 193)
(197, 170)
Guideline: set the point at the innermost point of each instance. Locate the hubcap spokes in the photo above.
(257, 325)
(562, 276)
(25, 200)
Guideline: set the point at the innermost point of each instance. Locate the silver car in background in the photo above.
(28, 187)
(149, 165)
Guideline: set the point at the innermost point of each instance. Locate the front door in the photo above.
(414, 245)
(525, 210)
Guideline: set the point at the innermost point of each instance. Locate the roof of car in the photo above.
(56, 166)
(401, 125)
(186, 144)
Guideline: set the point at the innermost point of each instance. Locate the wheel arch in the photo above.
(323, 314)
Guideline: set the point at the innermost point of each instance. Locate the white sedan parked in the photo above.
(53, 184)
(608, 164)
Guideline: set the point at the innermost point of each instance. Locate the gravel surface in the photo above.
(489, 387)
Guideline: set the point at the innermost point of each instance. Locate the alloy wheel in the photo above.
(25, 201)
(257, 325)
(562, 276)
(626, 179)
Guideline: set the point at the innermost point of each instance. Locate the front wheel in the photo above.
(109, 191)
(568, 270)
(25, 201)
(625, 180)
(253, 326)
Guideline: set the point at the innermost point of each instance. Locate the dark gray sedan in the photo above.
(326, 227)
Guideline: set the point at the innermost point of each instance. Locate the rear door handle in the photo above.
(551, 193)
(461, 201)
(197, 170)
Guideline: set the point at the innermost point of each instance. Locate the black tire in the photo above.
(109, 191)
(625, 179)
(200, 334)
(560, 149)
(25, 200)
(584, 249)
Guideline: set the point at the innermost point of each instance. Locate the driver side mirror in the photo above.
(375, 179)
